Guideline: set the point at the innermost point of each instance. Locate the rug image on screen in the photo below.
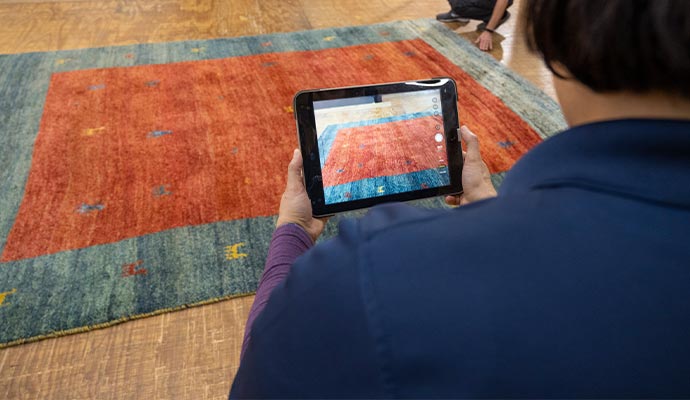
(380, 145)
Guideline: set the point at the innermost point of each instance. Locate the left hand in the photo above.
(485, 41)
(295, 206)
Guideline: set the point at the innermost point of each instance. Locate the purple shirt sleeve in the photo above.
(288, 243)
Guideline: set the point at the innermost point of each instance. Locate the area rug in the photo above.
(141, 179)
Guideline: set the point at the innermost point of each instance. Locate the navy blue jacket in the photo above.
(573, 282)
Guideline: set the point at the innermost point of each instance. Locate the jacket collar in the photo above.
(644, 158)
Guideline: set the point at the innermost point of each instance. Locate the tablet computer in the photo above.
(365, 145)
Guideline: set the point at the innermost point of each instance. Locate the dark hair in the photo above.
(614, 45)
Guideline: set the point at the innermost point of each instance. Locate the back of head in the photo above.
(639, 46)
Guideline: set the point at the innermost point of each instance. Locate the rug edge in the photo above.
(333, 28)
(103, 325)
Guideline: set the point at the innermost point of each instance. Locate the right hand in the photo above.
(476, 178)
(485, 41)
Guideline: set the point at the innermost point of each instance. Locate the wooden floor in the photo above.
(190, 354)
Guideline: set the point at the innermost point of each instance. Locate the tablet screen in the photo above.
(379, 145)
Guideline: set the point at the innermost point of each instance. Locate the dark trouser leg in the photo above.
(475, 9)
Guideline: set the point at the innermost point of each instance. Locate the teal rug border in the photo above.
(23, 86)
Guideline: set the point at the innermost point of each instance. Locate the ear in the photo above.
(560, 71)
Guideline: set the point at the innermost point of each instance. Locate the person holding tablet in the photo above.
(571, 282)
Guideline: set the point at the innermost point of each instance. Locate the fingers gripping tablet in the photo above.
(366, 145)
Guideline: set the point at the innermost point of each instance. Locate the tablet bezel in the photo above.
(303, 105)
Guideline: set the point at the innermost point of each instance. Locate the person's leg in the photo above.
(464, 10)
(451, 16)
(473, 9)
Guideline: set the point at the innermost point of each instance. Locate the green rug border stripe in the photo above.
(46, 287)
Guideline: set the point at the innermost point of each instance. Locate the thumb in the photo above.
(471, 142)
(294, 178)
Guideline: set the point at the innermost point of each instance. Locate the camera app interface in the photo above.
(380, 145)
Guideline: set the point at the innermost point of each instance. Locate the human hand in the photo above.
(295, 206)
(485, 41)
(476, 178)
